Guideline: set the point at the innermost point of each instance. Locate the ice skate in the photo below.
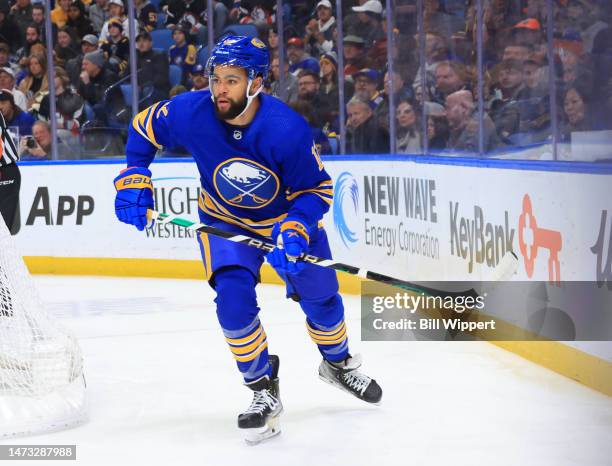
(261, 421)
(346, 376)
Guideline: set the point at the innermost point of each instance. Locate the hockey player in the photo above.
(261, 174)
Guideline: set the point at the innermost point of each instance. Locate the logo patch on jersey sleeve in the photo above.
(244, 183)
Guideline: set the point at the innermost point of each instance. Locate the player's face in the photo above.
(228, 84)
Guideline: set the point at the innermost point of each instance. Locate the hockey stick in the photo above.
(506, 267)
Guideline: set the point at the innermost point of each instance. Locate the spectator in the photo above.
(78, 21)
(354, 55)
(328, 92)
(21, 12)
(517, 51)
(68, 104)
(94, 79)
(189, 11)
(400, 92)
(321, 141)
(9, 29)
(366, 87)
(408, 139)
(32, 36)
(35, 83)
(463, 126)
(13, 115)
(298, 59)
(99, 13)
(59, 15)
(528, 31)
(153, 67)
(370, 19)
(308, 91)
(272, 41)
(436, 51)
(351, 24)
(7, 81)
(146, 13)
(117, 47)
(117, 12)
(436, 19)
(571, 67)
(437, 132)
(505, 111)
(578, 112)
(364, 135)
(5, 62)
(533, 74)
(320, 31)
(182, 53)
(38, 18)
(219, 22)
(178, 89)
(451, 76)
(89, 43)
(256, 12)
(291, 82)
(66, 47)
(37, 146)
(199, 78)
(535, 102)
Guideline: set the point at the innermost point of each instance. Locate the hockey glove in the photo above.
(134, 196)
(291, 238)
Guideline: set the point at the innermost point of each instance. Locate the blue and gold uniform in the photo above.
(252, 178)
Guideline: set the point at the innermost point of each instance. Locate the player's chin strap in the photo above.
(250, 98)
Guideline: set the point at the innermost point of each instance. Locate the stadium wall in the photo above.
(418, 218)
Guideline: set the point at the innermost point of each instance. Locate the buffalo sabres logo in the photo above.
(245, 183)
(258, 43)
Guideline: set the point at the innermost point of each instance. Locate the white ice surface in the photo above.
(164, 390)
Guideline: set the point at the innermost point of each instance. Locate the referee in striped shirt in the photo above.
(10, 178)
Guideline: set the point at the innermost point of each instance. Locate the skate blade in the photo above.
(337, 385)
(260, 434)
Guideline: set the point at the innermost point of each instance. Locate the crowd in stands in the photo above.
(436, 101)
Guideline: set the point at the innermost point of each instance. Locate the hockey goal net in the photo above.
(42, 387)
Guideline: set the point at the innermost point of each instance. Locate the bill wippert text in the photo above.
(434, 324)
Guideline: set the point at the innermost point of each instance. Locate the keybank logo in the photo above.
(346, 208)
(532, 238)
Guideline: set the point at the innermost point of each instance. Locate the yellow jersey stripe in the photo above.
(247, 224)
(329, 337)
(325, 187)
(326, 332)
(249, 338)
(242, 350)
(214, 204)
(207, 258)
(142, 123)
(253, 355)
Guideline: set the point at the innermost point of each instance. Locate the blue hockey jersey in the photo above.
(252, 176)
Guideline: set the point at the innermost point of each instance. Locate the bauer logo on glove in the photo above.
(134, 196)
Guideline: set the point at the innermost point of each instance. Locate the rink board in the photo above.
(403, 216)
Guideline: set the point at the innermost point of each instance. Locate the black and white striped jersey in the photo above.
(8, 148)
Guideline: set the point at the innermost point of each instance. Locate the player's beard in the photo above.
(235, 108)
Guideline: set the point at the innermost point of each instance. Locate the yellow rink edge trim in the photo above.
(587, 369)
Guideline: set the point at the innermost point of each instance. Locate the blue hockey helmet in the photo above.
(246, 52)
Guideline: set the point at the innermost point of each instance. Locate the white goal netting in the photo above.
(42, 387)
